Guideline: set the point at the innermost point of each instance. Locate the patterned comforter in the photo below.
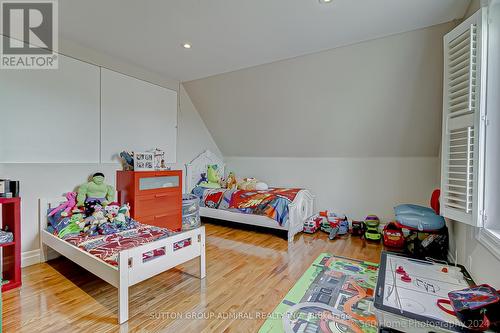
(107, 247)
(272, 203)
(111, 237)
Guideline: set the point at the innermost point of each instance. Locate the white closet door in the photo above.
(50, 116)
(463, 120)
(136, 115)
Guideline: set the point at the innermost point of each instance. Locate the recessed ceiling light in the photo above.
(187, 45)
(325, 1)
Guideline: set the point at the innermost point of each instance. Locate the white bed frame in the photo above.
(131, 269)
(299, 210)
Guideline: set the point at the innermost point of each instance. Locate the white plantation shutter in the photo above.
(463, 120)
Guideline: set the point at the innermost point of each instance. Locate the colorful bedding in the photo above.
(272, 203)
(107, 247)
(109, 238)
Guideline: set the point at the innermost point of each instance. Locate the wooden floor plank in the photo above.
(248, 274)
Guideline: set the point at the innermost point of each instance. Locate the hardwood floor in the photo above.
(248, 273)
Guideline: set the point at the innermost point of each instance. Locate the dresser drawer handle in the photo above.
(164, 175)
(160, 216)
(160, 195)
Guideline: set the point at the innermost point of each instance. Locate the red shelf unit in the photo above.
(11, 252)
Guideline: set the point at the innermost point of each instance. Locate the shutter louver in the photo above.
(461, 113)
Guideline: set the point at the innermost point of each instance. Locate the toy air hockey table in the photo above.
(407, 292)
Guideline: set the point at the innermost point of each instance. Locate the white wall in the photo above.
(51, 180)
(484, 265)
(359, 125)
(193, 135)
(354, 186)
(380, 98)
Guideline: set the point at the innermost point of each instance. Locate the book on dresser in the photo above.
(155, 197)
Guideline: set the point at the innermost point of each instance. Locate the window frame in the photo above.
(488, 233)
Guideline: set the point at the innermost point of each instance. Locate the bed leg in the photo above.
(123, 287)
(43, 252)
(202, 255)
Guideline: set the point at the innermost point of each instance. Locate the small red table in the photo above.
(11, 256)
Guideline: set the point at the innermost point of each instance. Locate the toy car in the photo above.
(371, 233)
(334, 230)
(331, 220)
(358, 228)
(393, 236)
(343, 227)
(312, 224)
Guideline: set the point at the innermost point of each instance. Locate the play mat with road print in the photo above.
(335, 294)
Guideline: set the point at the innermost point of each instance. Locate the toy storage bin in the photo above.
(190, 212)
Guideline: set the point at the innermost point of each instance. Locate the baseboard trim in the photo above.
(29, 258)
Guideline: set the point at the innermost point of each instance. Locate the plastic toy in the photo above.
(358, 228)
(329, 219)
(312, 224)
(334, 224)
(413, 209)
(420, 218)
(373, 235)
(343, 227)
(393, 236)
(127, 160)
(425, 223)
(372, 222)
(334, 229)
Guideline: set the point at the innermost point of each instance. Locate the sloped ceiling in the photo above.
(232, 34)
(377, 98)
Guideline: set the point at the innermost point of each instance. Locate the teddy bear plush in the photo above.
(248, 184)
(231, 181)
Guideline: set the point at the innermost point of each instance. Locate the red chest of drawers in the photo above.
(155, 197)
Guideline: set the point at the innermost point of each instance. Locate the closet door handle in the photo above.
(160, 195)
(160, 216)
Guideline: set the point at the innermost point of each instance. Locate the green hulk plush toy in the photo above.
(95, 190)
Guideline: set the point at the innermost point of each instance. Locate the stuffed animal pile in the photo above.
(211, 179)
(92, 219)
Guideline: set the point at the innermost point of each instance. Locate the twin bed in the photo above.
(128, 257)
(299, 207)
(124, 266)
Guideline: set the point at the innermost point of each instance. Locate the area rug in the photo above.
(335, 294)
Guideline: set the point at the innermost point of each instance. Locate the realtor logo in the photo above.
(29, 34)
